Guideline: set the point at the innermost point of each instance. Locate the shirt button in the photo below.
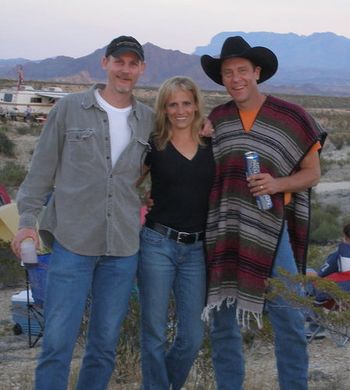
(107, 157)
(106, 139)
(109, 195)
(109, 214)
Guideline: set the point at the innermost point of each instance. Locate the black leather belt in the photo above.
(181, 237)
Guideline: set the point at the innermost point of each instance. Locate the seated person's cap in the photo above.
(125, 44)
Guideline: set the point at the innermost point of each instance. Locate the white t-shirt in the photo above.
(119, 130)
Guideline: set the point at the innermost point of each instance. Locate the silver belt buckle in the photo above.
(180, 236)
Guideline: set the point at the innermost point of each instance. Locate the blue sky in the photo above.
(37, 29)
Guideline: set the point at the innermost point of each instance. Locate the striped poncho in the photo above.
(242, 240)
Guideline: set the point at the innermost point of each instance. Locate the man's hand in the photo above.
(20, 236)
(207, 129)
(149, 202)
(262, 184)
(307, 176)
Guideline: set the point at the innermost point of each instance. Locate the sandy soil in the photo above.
(329, 364)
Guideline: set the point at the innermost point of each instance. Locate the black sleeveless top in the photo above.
(180, 187)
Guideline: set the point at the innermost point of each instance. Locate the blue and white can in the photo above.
(264, 202)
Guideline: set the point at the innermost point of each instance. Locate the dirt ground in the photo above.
(329, 364)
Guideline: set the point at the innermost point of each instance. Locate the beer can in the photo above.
(264, 202)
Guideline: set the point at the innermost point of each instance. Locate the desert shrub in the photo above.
(6, 145)
(12, 174)
(128, 349)
(11, 273)
(332, 119)
(319, 102)
(325, 233)
(34, 130)
(325, 164)
(128, 352)
(317, 254)
(339, 139)
(325, 224)
(336, 321)
(4, 128)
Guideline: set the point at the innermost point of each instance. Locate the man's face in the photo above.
(123, 71)
(240, 77)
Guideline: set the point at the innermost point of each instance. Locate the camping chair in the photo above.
(330, 306)
(36, 284)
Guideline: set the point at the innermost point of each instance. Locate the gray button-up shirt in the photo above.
(94, 208)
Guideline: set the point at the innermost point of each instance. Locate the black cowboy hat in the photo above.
(238, 47)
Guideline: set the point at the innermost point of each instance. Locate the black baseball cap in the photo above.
(125, 44)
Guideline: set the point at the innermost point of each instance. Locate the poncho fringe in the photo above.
(243, 316)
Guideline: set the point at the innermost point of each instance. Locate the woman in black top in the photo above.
(172, 252)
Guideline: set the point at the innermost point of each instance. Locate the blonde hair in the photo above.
(162, 134)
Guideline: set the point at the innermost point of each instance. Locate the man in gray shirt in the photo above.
(92, 218)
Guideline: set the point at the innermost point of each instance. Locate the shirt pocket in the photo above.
(81, 145)
(79, 135)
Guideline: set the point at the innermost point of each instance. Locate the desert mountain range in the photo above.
(317, 64)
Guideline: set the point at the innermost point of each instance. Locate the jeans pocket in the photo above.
(149, 236)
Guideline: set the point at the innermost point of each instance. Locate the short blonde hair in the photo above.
(161, 134)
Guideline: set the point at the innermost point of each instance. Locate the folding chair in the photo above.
(338, 333)
(35, 287)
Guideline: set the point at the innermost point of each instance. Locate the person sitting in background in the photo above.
(28, 114)
(338, 261)
(337, 269)
(337, 266)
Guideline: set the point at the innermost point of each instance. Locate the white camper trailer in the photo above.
(14, 101)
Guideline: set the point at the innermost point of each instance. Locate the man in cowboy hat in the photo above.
(247, 245)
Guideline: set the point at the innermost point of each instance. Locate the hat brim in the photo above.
(260, 56)
(123, 50)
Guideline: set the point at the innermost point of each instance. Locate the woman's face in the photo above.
(180, 109)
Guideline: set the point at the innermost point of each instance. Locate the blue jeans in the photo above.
(71, 278)
(288, 326)
(167, 266)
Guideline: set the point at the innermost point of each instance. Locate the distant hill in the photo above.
(317, 64)
(6, 65)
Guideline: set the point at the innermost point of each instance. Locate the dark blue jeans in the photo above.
(167, 266)
(288, 326)
(71, 278)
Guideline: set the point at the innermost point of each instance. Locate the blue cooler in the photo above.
(20, 314)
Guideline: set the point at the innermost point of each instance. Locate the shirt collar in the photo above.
(90, 100)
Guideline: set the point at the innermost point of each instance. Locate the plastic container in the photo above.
(28, 252)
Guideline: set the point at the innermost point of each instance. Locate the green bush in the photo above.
(325, 165)
(6, 145)
(325, 233)
(317, 255)
(325, 224)
(339, 139)
(34, 130)
(12, 174)
(11, 273)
